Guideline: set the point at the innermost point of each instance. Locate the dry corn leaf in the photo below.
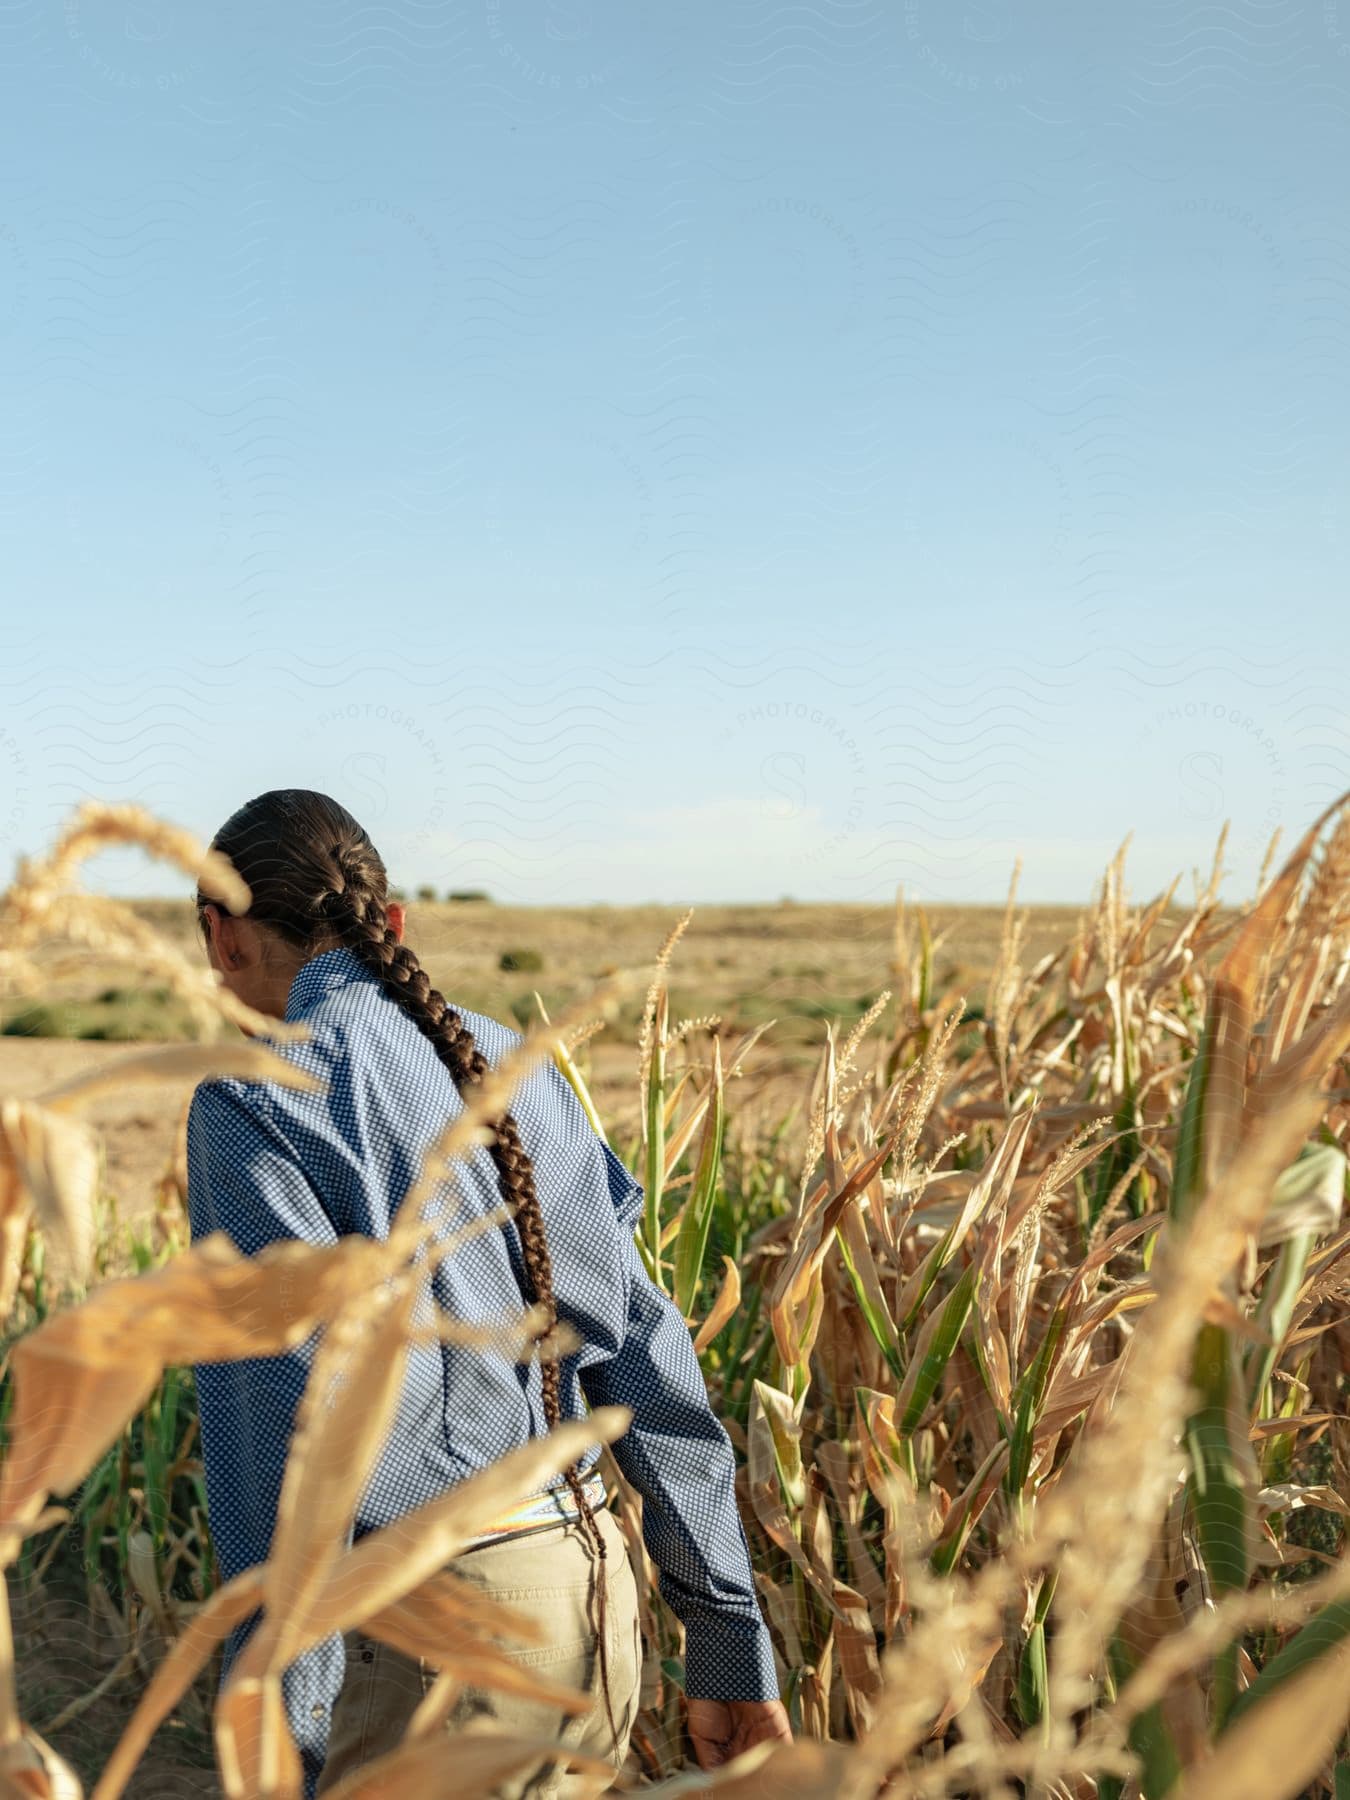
(991, 1189)
(775, 1474)
(182, 1062)
(429, 1768)
(856, 1641)
(723, 1308)
(57, 1160)
(255, 1751)
(333, 1453)
(1155, 1613)
(143, 1572)
(31, 1770)
(66, 1411)
(1288, 1496)
(795, 1301)
(805, 1770)
(1308, 1197)
(480, 1665)
(83, 1373)
(451, 1611)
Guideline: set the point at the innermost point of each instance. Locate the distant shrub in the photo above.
(118, 996)
(118, 1028)
(521, 962)
(426, 893)
(481, 894)
(39, 1021)
(117, 1015)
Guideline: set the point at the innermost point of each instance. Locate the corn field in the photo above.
(1034, 1359)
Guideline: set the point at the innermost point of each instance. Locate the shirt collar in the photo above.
(323, 975)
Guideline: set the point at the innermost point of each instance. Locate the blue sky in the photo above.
(693, 454)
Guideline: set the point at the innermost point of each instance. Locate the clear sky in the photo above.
(713, 451)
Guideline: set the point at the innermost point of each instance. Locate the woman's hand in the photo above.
(721, 1729)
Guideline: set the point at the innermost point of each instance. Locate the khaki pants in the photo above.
(549, 1575)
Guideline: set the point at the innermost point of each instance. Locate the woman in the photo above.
(321, 942)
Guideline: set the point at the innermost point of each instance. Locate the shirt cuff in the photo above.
(729, 1659)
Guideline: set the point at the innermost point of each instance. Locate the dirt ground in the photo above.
(77, 1691)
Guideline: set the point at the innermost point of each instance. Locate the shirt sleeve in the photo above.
(679, 1458)
(244, 1180)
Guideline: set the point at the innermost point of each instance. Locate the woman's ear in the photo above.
(222, 937)
(394, 913)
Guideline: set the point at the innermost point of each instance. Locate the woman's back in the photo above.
(361, 1144)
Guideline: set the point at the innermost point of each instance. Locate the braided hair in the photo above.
(318, 882)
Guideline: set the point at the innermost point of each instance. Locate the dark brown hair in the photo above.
(318, 882)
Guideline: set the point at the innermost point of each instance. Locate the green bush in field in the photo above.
(521, 962)
(117, 1015)
(42, 1021)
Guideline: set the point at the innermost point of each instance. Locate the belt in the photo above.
(541, 1511)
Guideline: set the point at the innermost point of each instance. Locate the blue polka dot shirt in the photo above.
(267, 1162)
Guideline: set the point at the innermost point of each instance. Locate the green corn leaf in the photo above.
(1033, 1678)
(1152, 1743)
(868, 1292)
(1150, 1739)
(1308, 1196)
(1219, 1483)
(1279, 1293)
(1028, 1399)
(1187, 1159)
(924, 1277)
(1222, 1483)
(1119, 1155)
(655, 1115)
(575, 1080)
(933, 1351)
(1277, 1455)
(925, 963)
(961, 1519)
(1323, 1633)
(157, 1448)
(1306, 1204)
(1033, 1671)
(692, 1240)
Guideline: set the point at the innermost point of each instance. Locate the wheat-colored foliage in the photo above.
(959, 1362)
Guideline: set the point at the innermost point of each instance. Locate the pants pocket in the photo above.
(380, 1692)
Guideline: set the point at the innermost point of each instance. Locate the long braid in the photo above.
(355, 910)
